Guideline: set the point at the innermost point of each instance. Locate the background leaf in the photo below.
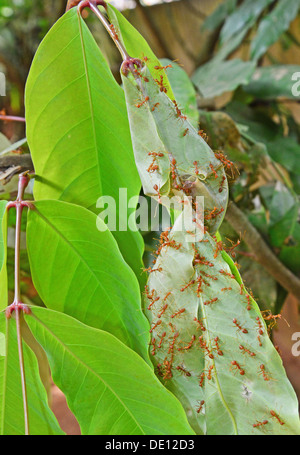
(269, 82)
(215, 77)
(243, 17)
(272, 26)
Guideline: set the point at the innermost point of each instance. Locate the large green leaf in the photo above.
(272, 26)
(202, 321)
(41, 419)
(217, 77)
(77, 127)
(3, 254)
(158, 127)
(269, 82)
(109, 388)
(79, 270)
(243, 17)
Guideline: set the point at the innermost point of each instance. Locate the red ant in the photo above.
(204, 346)
(213, 171)
(178, 313)
(259, 424)
(185, 132)
(260, 327)
(259, 340)
(115, 35)
(171, 347)
(162, 67)
(273, 414)
(156, 189)
(202, 377)
(162, 311)
(155, 325)
(161, 84)
(203, 135)
(214, 213)
(208, 302)
(211, 277)
(199, 322)
(154, 107)
(150, 270)
(188, 285)
(226, 289)
(237, 367)
(183, 370)
(161, 340)
(168, 369)
(142, 102)
(167, 295)
(262, 371)
(195, 163)
(268, 316)
(245, 350)
(248, 302)
(232, 247)
(188, 346)
(199, 409)
(209, 374)
(216, 340)
(239, 326)
(178, 111)
(153, 344)
(223, 272)
(221, 187)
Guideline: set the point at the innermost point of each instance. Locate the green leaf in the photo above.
(198, 280)
(136, 45)
(215, 19)
(158, 127)
(215, 78)
(183, 89)
(109, 388)
(244, 17)
(272, 26)
(255, 125)
(79, 270)
(41, 419)
(3, 256)
(77, 127)
(285, 151)
(272, 81)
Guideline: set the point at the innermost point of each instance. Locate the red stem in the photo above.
(11, 118)
(17, 306)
